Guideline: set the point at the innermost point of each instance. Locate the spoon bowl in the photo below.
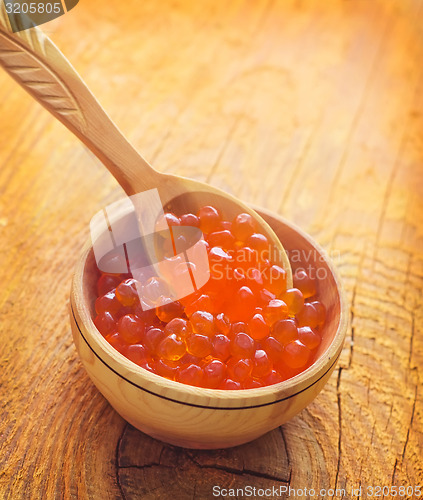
(183, 195)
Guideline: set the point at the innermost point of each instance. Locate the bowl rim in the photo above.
(202, 397)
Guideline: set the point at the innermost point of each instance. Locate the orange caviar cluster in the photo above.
(244, 329)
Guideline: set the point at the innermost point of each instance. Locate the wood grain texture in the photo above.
(311, 109)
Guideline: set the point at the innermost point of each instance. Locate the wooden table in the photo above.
(311, 109)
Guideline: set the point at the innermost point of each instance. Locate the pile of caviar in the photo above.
(244, 329)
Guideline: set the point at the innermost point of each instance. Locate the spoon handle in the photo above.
(35, 62)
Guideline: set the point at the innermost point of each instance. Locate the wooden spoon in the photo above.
(33, 60)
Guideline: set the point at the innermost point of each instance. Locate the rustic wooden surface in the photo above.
(311, 109)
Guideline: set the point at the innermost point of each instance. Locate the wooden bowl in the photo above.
(195, 417)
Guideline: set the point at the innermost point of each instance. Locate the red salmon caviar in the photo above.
(190, 220)
(209, 219)
(273, 378)
(166, 368)
(246, 258)
(239, 327)
(202, 303)
(115, 340)
(154, 289)
(260, 243)
(220, 347)
(152, 339)
(131, 328)
(188, 358)
(254, 280)
(169, 311)
(273, 348)
(126, 292)
(321, 312)
(199, 345)
(252, 383)
(258, 327)
(275, 279)
(274, 311)
(230, 385)
(243, 305)
(285, 330)
(222, 323)
(262, 364)
(308, 337)
(171, 348)
(265, 296)
(242, 346)
(136, 353)
(243, 226)
(308, 316)
(296, 354)
(147, 315)
(106, 283)
(243, 329)
(294, 299)
(107, 303)
(217, 259)
(202, 322)
(303, 282)
(190, 374)
(225, 224)
(214, 373)
(179, 327)
(172, 219)
(239, 369)
(105, 323)
(223, 239)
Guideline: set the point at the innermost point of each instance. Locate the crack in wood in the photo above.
(120, 486)
(410, 424)
(394, 470)
(237, 472)
(391, 407)
(223, 148)
(338, 399)
(287, 453)
(148, 466)
(298, 166)
(410, 352)
(353, 302)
